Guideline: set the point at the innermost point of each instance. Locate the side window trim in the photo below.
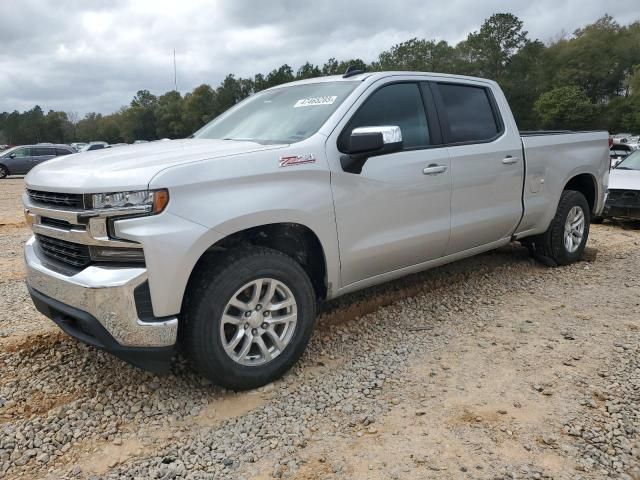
(444, 120)
(433, 119)
(433, 132)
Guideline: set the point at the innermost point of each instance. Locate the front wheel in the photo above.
(566, 237)
(3, 171)
(249, 317)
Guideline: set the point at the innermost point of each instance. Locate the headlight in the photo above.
(155, 201)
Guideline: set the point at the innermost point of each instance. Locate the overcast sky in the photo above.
(93, 55)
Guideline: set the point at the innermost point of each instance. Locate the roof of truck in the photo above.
(373, 76)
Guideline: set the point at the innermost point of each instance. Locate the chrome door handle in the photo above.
(434, 169)
(509, 160)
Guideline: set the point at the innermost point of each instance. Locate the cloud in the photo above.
(93, 55)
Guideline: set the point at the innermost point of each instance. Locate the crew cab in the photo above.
(226, 242)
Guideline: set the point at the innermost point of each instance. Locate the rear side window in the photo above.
(62, 151)
(468, 109)
(43, 151)
(398, 105)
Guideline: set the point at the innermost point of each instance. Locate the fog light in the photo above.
(111, 254)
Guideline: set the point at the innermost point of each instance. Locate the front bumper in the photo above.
(98, 306)
(632, 213)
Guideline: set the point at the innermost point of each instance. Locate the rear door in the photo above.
(487, 167)
(393, 214)
(41, 154)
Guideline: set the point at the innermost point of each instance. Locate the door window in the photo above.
(62, 151)
(43, 151)
(470, 114)
(21, 153)
(398, 105)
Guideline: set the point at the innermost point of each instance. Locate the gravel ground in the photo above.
(493, 367)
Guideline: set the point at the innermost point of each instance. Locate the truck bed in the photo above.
(552, 157)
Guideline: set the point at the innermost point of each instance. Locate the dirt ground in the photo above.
(494, 367)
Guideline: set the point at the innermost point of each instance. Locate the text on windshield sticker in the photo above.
(313, 101)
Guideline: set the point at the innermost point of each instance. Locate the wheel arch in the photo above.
(295, 240)
(586, 184)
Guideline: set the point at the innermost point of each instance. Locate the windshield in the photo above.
(283, 115)
(632, 162)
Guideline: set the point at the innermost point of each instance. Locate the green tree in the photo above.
(198, 108)
(500, 37)
(308, 70)
(565, 108)
(169, 116)
(88, 128)
(596, 58)
(282, 75)
(139, 120)
(418, 55)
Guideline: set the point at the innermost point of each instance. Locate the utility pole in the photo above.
(175, 74)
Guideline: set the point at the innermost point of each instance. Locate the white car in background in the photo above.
(633, 142)
(623, 197)
(620, 137)
(618, 152)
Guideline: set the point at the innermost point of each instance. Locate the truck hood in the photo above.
(624, 179)
(131, 167)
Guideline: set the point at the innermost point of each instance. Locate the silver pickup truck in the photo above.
(225, 243)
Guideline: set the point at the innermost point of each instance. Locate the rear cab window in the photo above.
(470, 113)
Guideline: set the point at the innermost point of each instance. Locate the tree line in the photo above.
(590, 79)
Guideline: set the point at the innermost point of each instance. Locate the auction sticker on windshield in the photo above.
(313, 101)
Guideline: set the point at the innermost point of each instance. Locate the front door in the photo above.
(394, 213)
(20, 161)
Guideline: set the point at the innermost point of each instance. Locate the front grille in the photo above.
(69, 253)
(68, 200)
(63, 224)
(624, 197)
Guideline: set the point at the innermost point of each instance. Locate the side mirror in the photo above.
(12, 155)
(366, 142)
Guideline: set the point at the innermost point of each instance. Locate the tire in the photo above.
(216, 290)
(4, 171)
(552, 244)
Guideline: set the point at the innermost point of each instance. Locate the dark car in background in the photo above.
(19, 160)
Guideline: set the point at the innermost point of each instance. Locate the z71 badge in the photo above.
(291, 160)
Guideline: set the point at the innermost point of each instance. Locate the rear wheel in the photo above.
(564, 242)
(249, 317)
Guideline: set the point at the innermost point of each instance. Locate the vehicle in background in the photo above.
(140, 141)
(78, 145)
(618, 152)
(634, 142)
(19, 160)
(620, 137)
(298, 194)
(113, 145)
(94, 146)
(623, 196)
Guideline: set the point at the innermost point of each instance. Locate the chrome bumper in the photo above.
(105, 293)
